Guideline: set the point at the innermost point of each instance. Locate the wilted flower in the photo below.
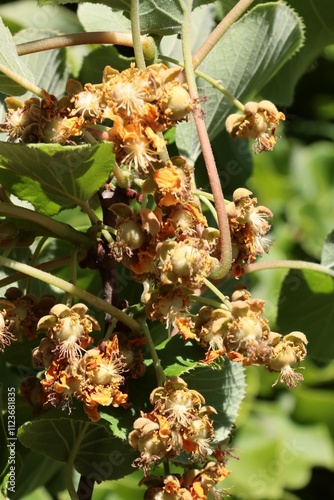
(69, 329)
(287, 352)
(258, 121)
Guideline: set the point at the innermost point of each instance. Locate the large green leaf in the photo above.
(102, 18)
(244, 60)
(54, 177)
(306, 304)
(26, 13)
(178, 357)
(10, 60)
(48, 67)
(318, 18)
(156, 16)
(224, 389)
(98, 455)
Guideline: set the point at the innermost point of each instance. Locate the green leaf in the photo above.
(99, 455)
(306, 304)
(327, 256)
(244, 60)
(26, 13)
(102, 18)
(36, 471)
(224, 389)
(202, 23)
(174, 364)
(54, 177)
(95, 62)
(48, 67)
(10, 59)
(318, 19)
(157, 17)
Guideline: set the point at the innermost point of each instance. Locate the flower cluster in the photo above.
(248, 227)
(195, 483)
(71, 370)
(20, 314)
(240, 332)
(141, 104)
(258, 121)
(178, 423)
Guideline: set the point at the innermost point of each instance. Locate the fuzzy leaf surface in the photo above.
(48, 67)
(224, 389)
(244, 60)
(10, 59)
(318, 19)
(98, 451)
(53, 177)
(157, 17)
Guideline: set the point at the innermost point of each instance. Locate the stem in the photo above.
(74, 290)
(217, 84)
(23, 82)
(135, 30)
(58, 229)
(73, 275)
(70, 461)
(85, 207)
(224, 228)
(217, 292)
(290, 264)
(161, 377)
(208, 204)
(209, 302)
(94, 37)
(45, 266)
(220, 30)
(34, 258)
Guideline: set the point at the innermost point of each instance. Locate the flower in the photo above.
(258, 121)
(248, 226)
(179, 421)
(286, 352)
(69, 329)
(6, 336)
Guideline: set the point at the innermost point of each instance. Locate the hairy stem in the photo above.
(220, 30)
(23, 82)
(73, 290)
(289, 264)
(161, 377)
(56, 228)
(135, 30)
(45, 266)
(217, 292)
(225, 238)
(58, 42)
(34, 259)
